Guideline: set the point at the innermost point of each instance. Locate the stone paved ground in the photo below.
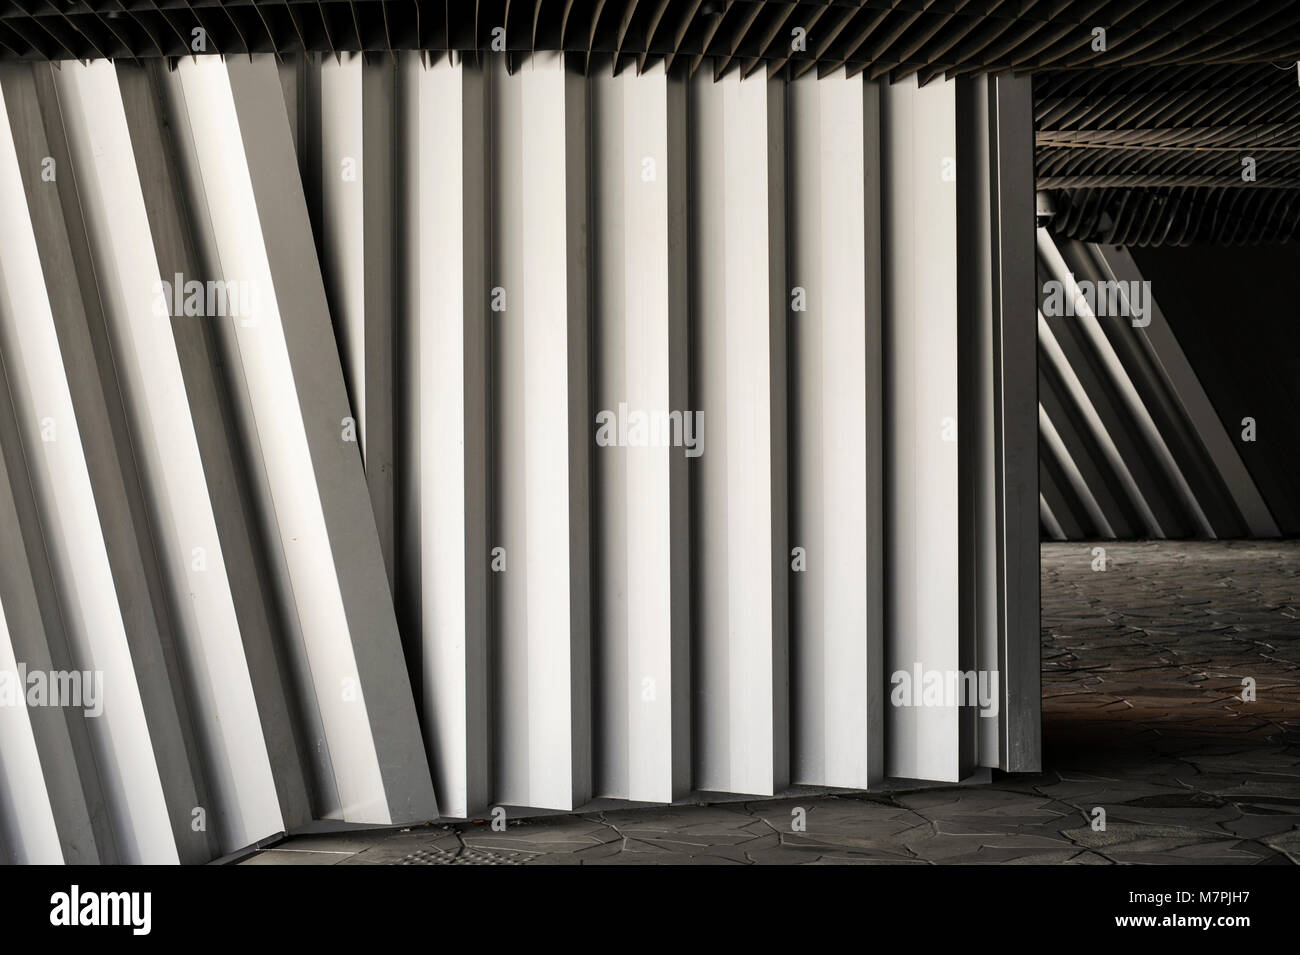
(1143, 717)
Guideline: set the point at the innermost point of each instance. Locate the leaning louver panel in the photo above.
(1110, 336)
(1064, 390)
(206, 367)
(350, 109)
(350, 653)
(122, 504)
(74, 539)
(1171, 490)
(137, 313)
(67, 781)
(39, 639)
(29, 834)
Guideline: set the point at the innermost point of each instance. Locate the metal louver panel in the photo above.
(836, 492)
(641, 546)
(739, 243)
(350, 501)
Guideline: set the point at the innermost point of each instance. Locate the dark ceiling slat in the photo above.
(1152, 154)
(213, 36)
(624, 24)
(896, 37)
(713, 19)
(651, 30)
(779, 32)
(28, 32)
(107, 23)
(781, 61)
(827, 36)
(7, 41)
(302, 40)
(325, 29)
(723, 61)
(75, 28)
(591, 33)
(1139, 142)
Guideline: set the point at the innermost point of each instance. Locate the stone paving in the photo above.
(1144, 718)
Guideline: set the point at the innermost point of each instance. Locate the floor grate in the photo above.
(465, 856)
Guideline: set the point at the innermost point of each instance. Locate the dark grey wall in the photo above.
(1235, 311)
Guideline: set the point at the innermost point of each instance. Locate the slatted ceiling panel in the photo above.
(887, 35)
(772, 22)
(828, 28)
(1153, 155)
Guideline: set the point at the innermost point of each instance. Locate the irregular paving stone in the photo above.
(290, 856)
(1144, 714)
(1287, 843)
(1089, 858)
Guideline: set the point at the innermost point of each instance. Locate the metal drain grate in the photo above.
(465, 856)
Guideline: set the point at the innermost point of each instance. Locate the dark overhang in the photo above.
(879, 37)
(1145, 109)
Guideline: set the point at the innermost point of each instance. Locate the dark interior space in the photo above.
(1234, 310)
